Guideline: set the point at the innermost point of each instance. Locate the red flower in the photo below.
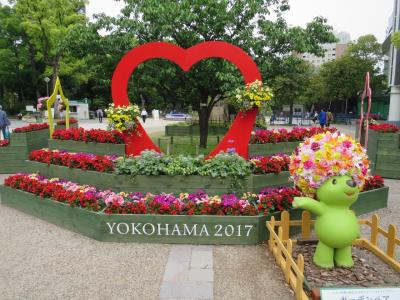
(31, 127)
(92, 135)
(295, 135)
(4, 143)
(71, 121)
(373, 182)
(84, 161)
(385, 128)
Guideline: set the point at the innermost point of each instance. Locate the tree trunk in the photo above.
(203, 123)
(291, 112)
(345, 108)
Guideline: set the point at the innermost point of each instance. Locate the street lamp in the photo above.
(47, 80)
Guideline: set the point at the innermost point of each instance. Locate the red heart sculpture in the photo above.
(237, 138)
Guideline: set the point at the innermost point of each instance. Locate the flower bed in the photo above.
(384, 153)
(96, 141)
(91, 135)
(387, 128)
(134, 217)
(31, 127)
(267, 142)
(159, 173)
(73, 123)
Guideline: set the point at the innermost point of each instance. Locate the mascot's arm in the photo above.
(310, 204)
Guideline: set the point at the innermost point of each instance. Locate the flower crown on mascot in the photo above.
(331, 168)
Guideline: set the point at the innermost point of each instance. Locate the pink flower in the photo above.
(347, 144)
(308, 164)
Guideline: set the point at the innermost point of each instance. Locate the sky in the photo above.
(357, 17)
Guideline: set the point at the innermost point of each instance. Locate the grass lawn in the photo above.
(184, 144)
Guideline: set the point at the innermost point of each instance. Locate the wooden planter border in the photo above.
(384, 153)
(235, 230)
(95, 148)
(12, 157)
(281, 246)
(160, 183)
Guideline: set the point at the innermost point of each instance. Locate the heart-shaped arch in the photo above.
(237, 138)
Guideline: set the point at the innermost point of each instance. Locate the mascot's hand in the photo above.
(300, 201)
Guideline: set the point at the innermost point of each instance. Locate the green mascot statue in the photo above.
(330, 168)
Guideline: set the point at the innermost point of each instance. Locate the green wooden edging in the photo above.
(269, 149)
(12, 157)
(229, 230)
(384, 154)
(160, 183)
(180, 130)
(95, 148)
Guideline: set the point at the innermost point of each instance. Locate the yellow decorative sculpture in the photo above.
(57, 91)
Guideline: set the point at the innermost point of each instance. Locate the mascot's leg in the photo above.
(343, 257)
(323, 256)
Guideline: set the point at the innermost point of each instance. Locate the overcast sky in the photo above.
(357, 17)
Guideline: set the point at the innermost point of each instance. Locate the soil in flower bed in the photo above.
(368, 270)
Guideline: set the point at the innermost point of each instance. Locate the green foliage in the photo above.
(225, 165)
(222, 165)
(294, 79)
(342, 79)
(396, 39)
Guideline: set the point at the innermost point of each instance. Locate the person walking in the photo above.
(315, 117)
(329, 119)
(4, 123)
(322, 118)
(100, 114)
(144, 115)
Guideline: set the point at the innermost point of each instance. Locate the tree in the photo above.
(366, 48)
(187, 22)
(46, 23)
(292, 83)
(343, 78)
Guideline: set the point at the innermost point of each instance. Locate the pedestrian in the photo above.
(4, 123)
(315, 118)
(329, 119)
(322, 118)
(99, 113)
(144, 115)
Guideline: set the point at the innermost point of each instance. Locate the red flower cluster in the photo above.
(373, 182)
(47, 189)
(4, 143)
(84, 161)
(71, 121)
(271, 164)
(31, 127)
(276, 199)
(283, 135)
(384, 128)
(92, 135)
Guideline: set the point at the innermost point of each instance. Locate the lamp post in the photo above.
(47, 80)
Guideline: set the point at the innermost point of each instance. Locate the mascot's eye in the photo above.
(334, 181)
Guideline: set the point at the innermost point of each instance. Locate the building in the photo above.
(392, 63)
(332, 51)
